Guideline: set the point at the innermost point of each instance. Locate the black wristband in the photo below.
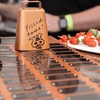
(62, 22)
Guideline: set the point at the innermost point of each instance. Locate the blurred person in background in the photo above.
(77, 15)
(10, 8)
(7, 24)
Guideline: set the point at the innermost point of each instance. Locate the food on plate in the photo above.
(90, 38)
(86, 38)
(98, 41)
(73, 40)
(90, 33)
(95, 32)
(79, 34)
(92, 42)
(64, 38)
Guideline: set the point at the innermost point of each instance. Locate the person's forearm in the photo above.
(9, 11)
(87, 19)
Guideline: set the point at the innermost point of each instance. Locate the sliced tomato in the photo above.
(79, 34)
(82, 33)
(98, 41)
(86, 38)
(93, 38)
(90, 33)
(92, 43)
(64, 38)
(73, 40)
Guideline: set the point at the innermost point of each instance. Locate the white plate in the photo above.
(85, 48)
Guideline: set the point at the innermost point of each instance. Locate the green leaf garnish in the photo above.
(78, 42)
(69, 36)
(94, 31)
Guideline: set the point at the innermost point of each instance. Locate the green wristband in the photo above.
(69, 19)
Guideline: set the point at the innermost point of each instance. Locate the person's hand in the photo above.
(52, 23)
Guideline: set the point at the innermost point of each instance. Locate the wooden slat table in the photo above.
(60, 73)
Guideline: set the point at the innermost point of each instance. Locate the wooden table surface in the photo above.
(61, 73)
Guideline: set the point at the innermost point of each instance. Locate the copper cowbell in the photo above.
(31, 31)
